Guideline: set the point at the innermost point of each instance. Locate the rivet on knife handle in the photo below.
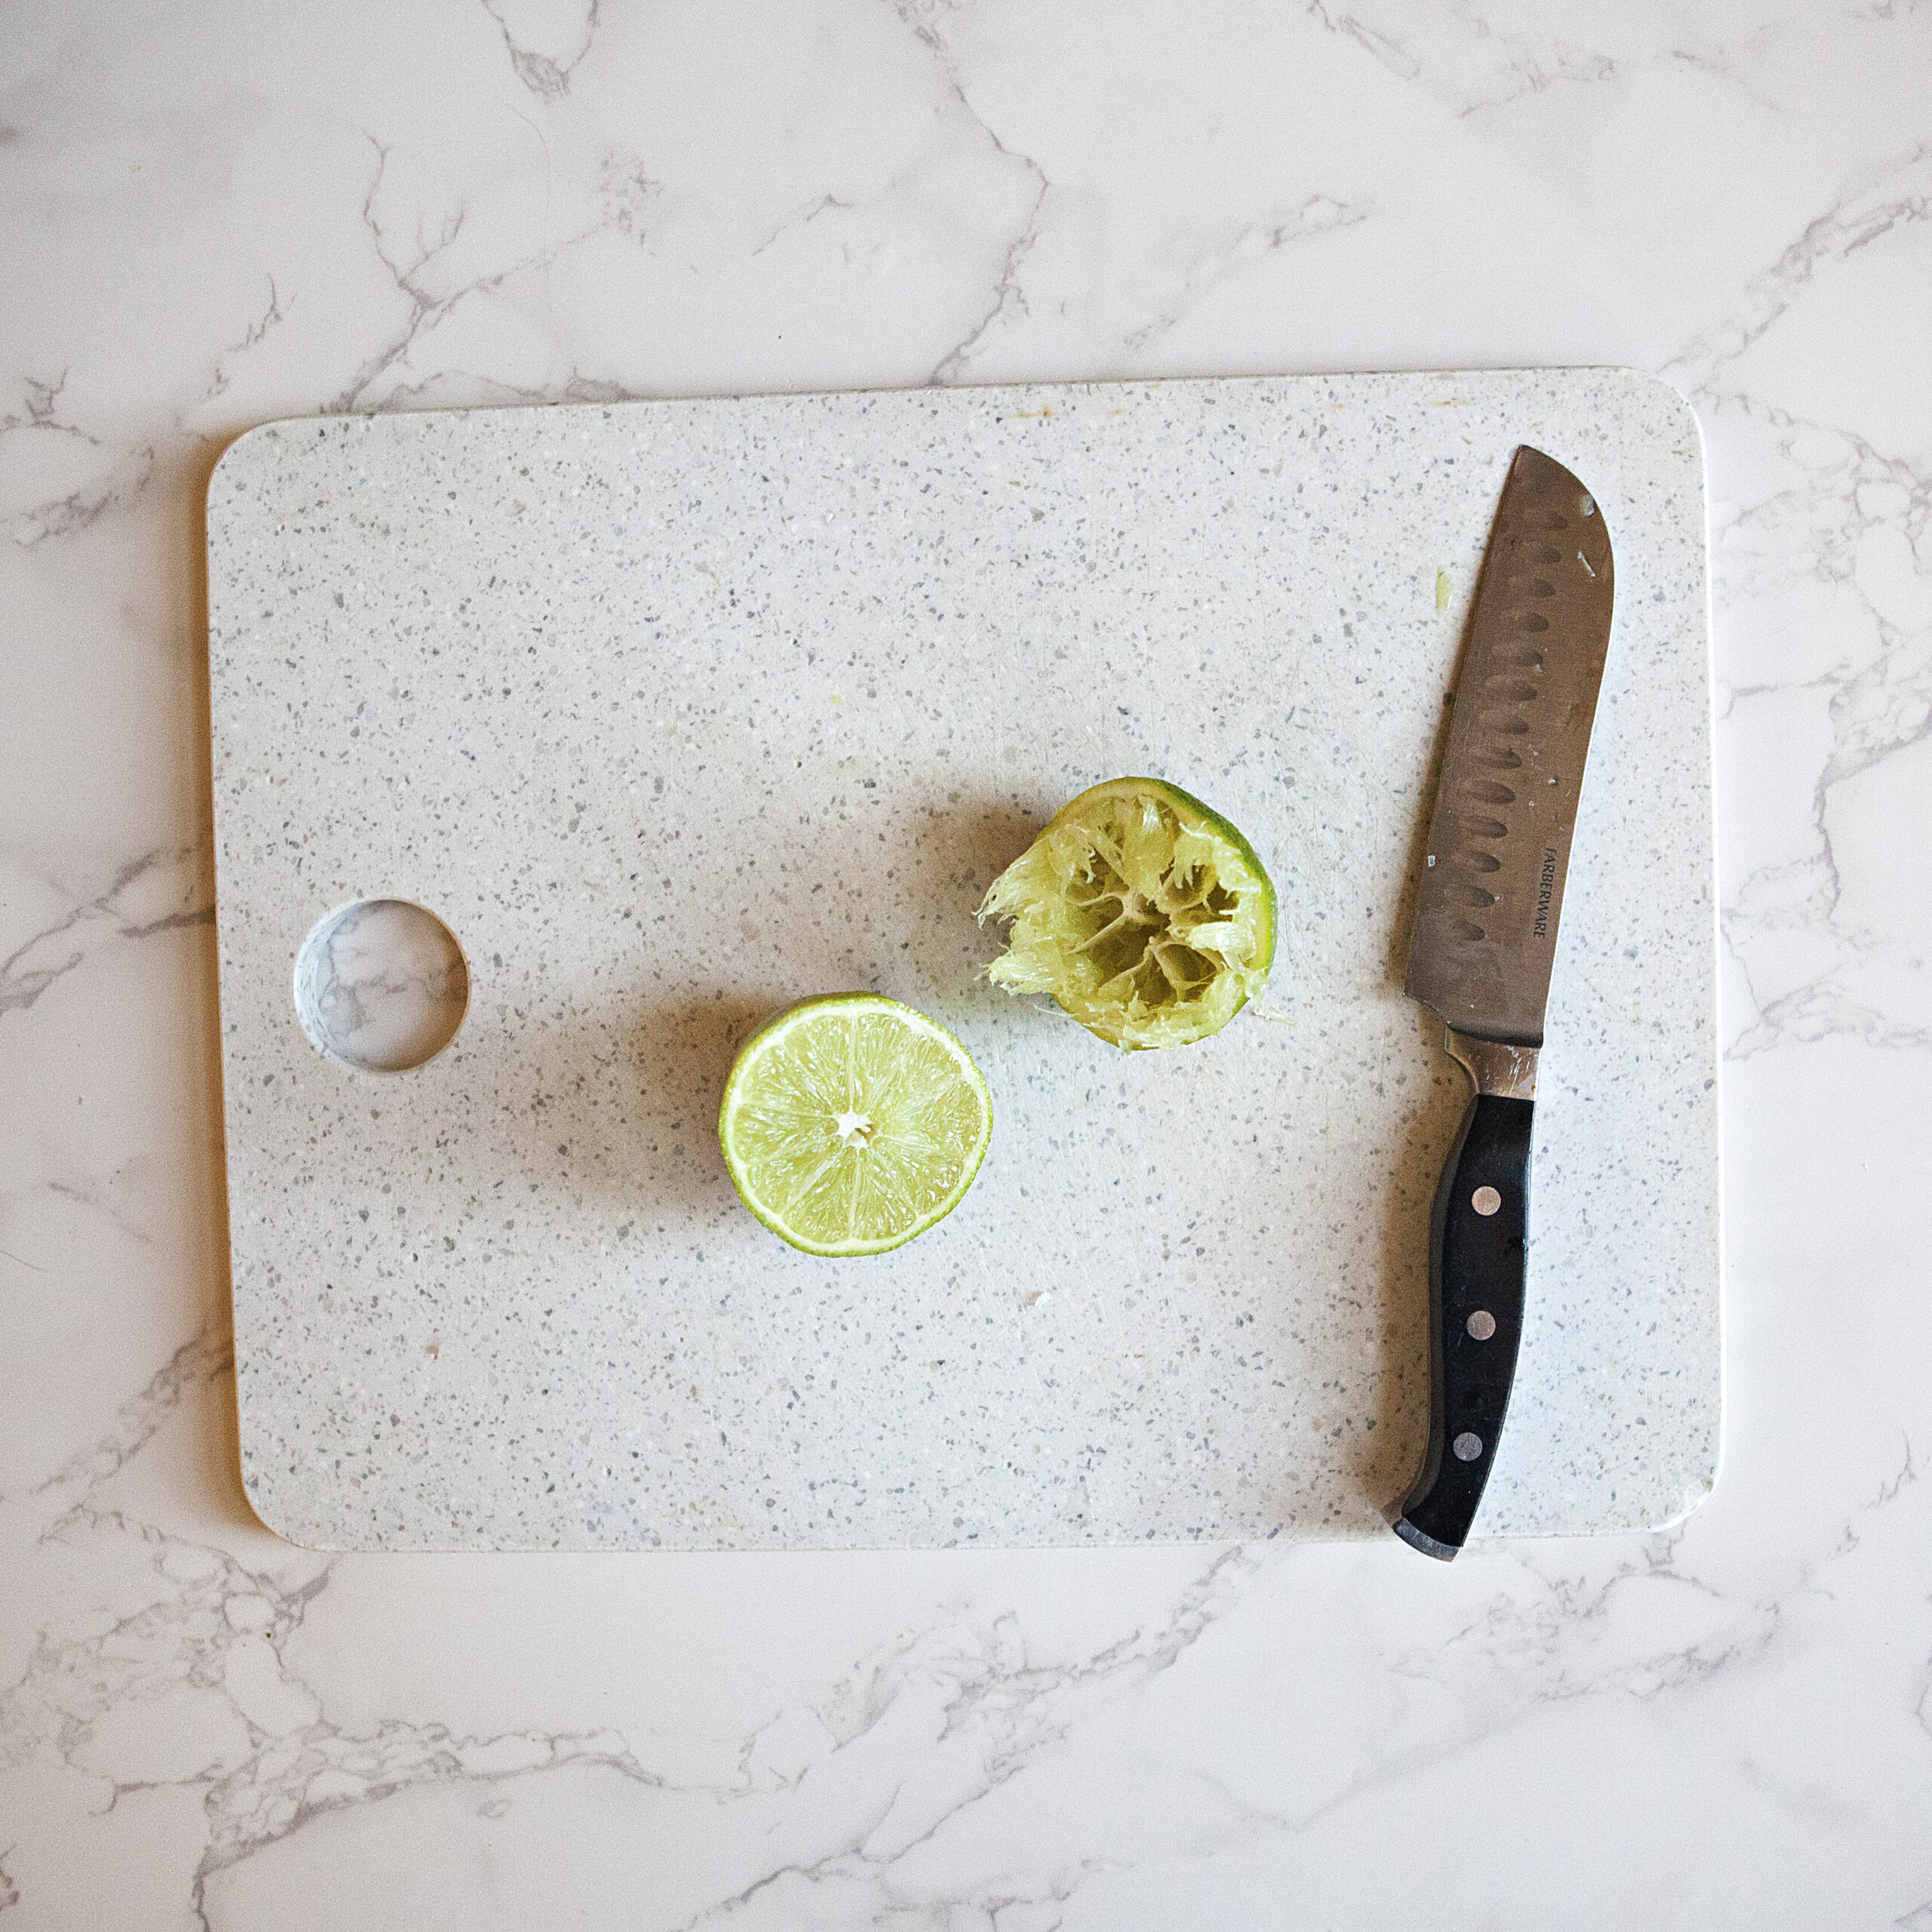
(1485, 941)
(1476, 1295)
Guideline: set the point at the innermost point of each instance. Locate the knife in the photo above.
(1485, 939)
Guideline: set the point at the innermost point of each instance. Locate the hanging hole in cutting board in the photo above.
(381, 985)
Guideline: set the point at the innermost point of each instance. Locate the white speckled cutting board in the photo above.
(677, 711)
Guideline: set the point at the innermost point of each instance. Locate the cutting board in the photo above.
(674, 712)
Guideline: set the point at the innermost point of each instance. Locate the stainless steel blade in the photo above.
(1505, 805)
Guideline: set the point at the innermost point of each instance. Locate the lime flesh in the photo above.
(1142, 911)
(851, 1123)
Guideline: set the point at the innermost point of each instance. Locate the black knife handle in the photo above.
(1475, 1306)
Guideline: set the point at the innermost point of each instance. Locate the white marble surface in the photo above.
(678, 711)
(212, 216)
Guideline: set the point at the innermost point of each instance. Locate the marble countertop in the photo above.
(212, 215)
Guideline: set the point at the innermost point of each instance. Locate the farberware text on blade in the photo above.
(1485, 940)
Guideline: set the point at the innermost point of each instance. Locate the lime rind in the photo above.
(1142, 911)
(788, 1124)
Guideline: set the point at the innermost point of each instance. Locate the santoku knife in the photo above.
(1485, 940)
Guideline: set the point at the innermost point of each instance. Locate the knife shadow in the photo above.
(1389, 1458)
(1402, 925)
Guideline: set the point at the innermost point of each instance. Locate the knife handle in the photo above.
(1476, 1306)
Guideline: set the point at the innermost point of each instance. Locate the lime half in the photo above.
(851, 1123)
(1144, 913)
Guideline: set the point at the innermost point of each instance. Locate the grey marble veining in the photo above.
(380, 985)
(209, 221)
(675, 712)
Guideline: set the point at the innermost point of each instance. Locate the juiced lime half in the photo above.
(1144, 913)
(851, 1123)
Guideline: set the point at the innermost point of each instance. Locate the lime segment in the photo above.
(1142, 911)
(851, 1123)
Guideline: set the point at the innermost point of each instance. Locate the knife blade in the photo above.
(1484, 942)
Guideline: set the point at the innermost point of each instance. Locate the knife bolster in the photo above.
(1509, 1072)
